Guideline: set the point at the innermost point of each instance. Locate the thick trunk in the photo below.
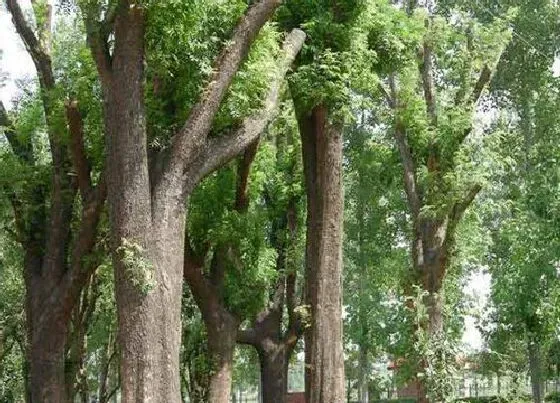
(430, 264)
(150, 322)
(148, 259)
(535, 371)
(222, 337)
(322, 155)
(434, 330)
(274, 380)
(48, 347)
(47, 332)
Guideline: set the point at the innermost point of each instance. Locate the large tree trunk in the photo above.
(148, 217)
(274, 373)
(322, 156)
(48, 383)
(222, 338)
(535, 370)
(148, 258)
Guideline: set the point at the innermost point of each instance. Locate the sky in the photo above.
(14, 61)
(18, 65)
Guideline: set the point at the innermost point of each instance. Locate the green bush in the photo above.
(553, 397)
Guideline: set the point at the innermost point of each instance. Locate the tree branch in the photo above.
(390, 100)
(243, 171)
(461, 206)
(202, 290)
(409, 169)
(427, 72)
(22, 150)
(77, 149)
(455, 215)
(247, 336)
(81, 268)
(38, 53)
(97, 36)
(482, 82)
(195, 131)
(219, 151)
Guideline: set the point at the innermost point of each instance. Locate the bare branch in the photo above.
(247, 336)
(409, 169)
(97, 37)
(427, 72)
(390, 100)
(38, 53)
(221, 150)
(193, 134)
(483, 80)
(243, 171)
(77, 149)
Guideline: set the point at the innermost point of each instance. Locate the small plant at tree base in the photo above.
(139, 270)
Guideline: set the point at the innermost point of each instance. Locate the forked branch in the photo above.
(219, 151)
(194, 132)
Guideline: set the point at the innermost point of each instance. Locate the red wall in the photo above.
(297, 397)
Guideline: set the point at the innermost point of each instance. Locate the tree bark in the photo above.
(148, 284)
(273, 363)
(148, 216)
(54, 273)
(48, 383)
(322, 156)
(222, 335)
(363, 384)
(535, 370)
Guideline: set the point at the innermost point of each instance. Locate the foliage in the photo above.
(139, 269)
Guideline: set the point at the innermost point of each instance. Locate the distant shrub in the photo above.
(553, 397)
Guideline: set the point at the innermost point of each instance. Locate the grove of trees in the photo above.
(197, 195)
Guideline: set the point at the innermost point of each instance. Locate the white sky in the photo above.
(15, 61)
(18, 65)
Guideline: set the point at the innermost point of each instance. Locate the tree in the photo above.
(523, 215)
(432, 118)
(373, 260)
(525, 251)
(321, 89)
(44, 203)
(275, 330)
(147, 212)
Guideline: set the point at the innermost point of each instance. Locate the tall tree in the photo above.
(148, 212)
(524, 226)
(373, 258)
(55, 251)
(321, 92)
(433, 100)
(276, 329)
